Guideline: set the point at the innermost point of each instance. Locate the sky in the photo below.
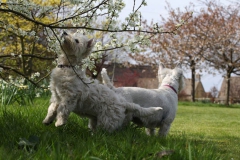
(155, 8)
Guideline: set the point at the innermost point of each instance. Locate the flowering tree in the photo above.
(23, 44)
(183, 46)
(210, 39)
(32, 29)
(220, 25)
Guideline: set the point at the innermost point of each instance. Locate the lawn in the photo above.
(216, 124)
(199, 132)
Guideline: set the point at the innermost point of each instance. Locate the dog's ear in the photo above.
(90, 43)
(179, 65)
(160, 68)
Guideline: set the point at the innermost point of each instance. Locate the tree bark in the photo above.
(192, 65)
(228, 89)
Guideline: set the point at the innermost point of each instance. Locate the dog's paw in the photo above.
(46, 122)
(59, 123)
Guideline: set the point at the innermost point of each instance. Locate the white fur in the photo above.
(72, 91)
(164, 96)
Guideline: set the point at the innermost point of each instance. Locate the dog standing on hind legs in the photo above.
(73, 91)
(166, 96)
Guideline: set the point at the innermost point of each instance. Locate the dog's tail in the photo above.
(106, 79)
(132, 107)
(140, 111)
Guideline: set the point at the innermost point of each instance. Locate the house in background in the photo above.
(234, 95)
(200, 94)
(150, 83)
(146, 77)
(135, 76)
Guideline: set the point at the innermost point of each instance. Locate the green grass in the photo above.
(201, 132)
(216, 124)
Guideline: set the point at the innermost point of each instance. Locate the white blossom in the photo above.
(37, 74)
(37, 94)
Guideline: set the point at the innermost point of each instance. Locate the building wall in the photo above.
(150, 83)
(146, 77)
(199, 91)
(132, 76)
(234, 91)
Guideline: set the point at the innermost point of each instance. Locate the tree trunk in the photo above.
(22, 58)
(228, 89)
(192, 65)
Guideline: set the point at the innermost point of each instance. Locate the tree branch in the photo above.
(21, 74)
(28, 55)
(52, 26)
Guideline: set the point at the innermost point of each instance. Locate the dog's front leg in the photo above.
(51, 115)
(150, 131)
(64, 110)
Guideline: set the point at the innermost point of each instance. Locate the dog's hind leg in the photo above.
(51, 115)
(164, 129)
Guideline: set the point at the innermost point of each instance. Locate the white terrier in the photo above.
(166, 96)
(73, 91)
